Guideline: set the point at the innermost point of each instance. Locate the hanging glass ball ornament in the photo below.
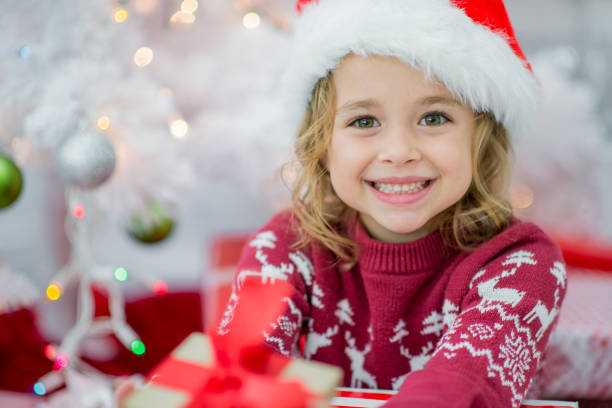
(11, 181)
(152, 224)
(85, 160)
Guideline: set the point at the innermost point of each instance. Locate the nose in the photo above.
(399, 147)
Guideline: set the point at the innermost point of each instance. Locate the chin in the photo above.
(402, 227)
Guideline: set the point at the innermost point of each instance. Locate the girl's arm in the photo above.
(267, 256)
(490, 354)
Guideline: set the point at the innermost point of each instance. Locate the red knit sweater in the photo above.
(446, 328)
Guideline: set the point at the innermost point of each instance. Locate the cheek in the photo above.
(345, 155)
(455, 162)
(341, 168)
(347, 163)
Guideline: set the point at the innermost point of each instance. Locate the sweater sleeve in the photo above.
(268, 256)
(491, 351)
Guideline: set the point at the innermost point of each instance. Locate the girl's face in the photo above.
(400, 151)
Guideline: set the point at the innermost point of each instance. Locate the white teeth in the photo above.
(400, 188)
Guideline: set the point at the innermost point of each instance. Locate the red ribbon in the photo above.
(245, 372)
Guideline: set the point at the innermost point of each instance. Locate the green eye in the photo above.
(433, 119)
(365, 123)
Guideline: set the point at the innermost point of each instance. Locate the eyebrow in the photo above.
(432, 100)
(369, 103)
(361, 104)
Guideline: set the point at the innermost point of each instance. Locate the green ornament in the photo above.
(11, 181)
(152, 225)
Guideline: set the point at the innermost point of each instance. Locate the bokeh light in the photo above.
(251, 20)
(143, 56)
(39, 389)
(138, 347)
(189, 6)
(54, 291)
(181, 17)
(60, 362)
(50, 352)
(521, 196)
(24, 52)
(121, 274)
(78, 211)
(160, 287)
(120, 15)
(104, 122)
(179, 128)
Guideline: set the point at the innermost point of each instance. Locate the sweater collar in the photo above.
(396, 258)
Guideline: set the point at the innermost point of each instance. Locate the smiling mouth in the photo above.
(408, 188)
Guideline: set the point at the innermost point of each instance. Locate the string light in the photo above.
(143, 56)
(179, 128)
(60, 362)
(121, 274)
(103, 122)
(180, 17)
(67, 353)
(24, 52)
(251, 20)
(54, 291)
(279, 19)
(138, 347)
(189, 6)
(120, 15)
(160, 287)
(39, 389)
(78, 211)
(50, 352)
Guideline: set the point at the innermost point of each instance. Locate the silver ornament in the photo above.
(85, 160)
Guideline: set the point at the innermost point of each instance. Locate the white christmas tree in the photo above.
(74, 93)
(95, 85)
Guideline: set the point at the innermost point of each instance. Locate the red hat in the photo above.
(468, 45)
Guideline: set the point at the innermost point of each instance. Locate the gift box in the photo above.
(224, 254)
(359, 398)
(578, 360)
(180, 378)
(235, 369)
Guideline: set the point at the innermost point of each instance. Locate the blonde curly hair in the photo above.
(319, 214)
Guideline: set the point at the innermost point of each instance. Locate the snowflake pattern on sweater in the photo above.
(485, 317)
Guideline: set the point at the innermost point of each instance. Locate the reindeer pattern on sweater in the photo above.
(419, 306)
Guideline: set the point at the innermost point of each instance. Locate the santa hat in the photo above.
(468, 45)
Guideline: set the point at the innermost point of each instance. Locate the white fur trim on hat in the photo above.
(476, 64)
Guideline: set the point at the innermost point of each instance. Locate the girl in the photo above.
(410, 271)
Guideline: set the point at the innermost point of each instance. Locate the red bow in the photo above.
(244, 373)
